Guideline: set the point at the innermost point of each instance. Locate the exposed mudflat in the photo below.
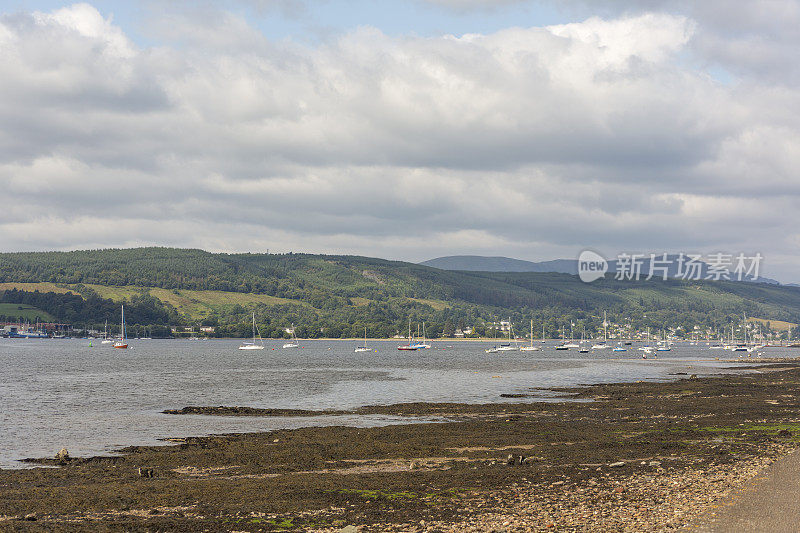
(639, 457)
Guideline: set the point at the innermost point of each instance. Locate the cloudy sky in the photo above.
(405, 130)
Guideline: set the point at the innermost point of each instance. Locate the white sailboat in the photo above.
(603, 345)
(493, 349)
(363, 348)
(571, 343)
(410, 347)
(421, 344)
(583, 349)
(663, 345)
(121, 342)
(563, 345)
(106, 340)
(530, 348)
(507, 347)
(293, 342)
(252, 345)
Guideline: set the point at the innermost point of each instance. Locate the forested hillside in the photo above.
(340, 295)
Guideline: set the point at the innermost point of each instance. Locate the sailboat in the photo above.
(603, 345)
(493, 349)
(410, 347)
(253, 345)
(663, 345)
(121, 342)
(530, 348)
(571, 343)
(744, 346)
(583, 335)
(363, 348)
(106, 340)
(563, 345)
(293, 342)
(506, 346)
(422, 343)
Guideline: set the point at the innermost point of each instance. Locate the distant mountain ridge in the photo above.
(477, 263)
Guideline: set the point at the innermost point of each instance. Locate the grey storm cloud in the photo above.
(643, 128)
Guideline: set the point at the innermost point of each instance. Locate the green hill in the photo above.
(22, 313)
(336, 296)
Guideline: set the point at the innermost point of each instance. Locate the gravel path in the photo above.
(770, 502)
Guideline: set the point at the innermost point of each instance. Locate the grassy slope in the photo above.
(193, 304)
(27, 312)
(774, 324)
(30, 287)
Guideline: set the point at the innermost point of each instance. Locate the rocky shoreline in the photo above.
(633, 457)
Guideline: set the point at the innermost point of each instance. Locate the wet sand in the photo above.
(633, 457)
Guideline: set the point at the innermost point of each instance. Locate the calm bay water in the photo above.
(94, 400)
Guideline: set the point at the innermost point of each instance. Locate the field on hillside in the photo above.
(27, 312)
(774, 324)
(195, 305)
(31, 287)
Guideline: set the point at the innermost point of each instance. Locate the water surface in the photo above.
(59, 393)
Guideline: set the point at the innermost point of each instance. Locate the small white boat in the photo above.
(619, 349)
(421, 344)
(121, 342)
(410, 347)
(603, 345)
(493, 349)
(663, 346)
(530, 348)
(363, 348)
(293, 342)
(105, 340)
(507, 346)
(253, 345)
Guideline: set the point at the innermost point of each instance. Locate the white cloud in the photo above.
(526, 142)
